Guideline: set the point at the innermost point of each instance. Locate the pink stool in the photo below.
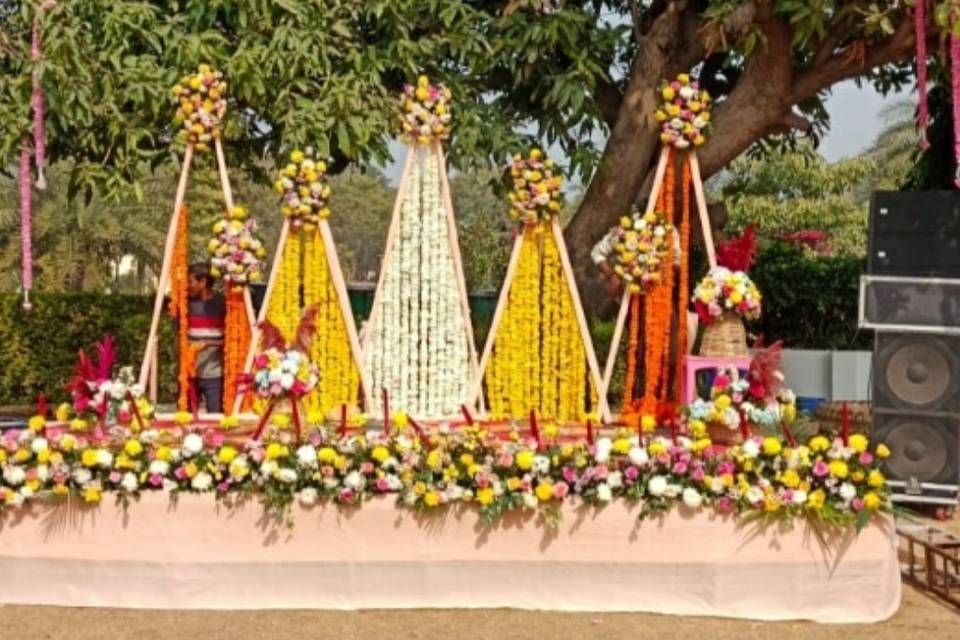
(692, 365)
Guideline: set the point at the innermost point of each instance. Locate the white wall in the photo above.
(834, 375)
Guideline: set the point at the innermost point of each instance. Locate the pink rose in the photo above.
(215, 438)
(383, 485)
(560, 490)
(680, 468)
(346, 495)
(600, 471)
(569, 474)
(180, 473)
(724, 505)
(156, 479)
(857, 504)
(866, 458)
(631, 473)
(721, 381)
(505, 460)
(224, 486)
(697, 474)
(820, 469)
(327, 471)
(315, 439)
(366, 468)
(663, 458)
(115, 477)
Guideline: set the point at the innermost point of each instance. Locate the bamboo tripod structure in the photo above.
(592, 364)
(149, 366)
(343, 300)
(367, 333)
(701, 203)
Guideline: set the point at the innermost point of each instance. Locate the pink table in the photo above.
(197, 555)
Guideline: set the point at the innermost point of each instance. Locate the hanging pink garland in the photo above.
(920, 28)
(955, 86)
(39, 137)
(26, 246)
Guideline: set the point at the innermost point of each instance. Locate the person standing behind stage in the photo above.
(206, 310)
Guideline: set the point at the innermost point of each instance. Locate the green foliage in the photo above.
(809, 302)
(787, 191)
(361, 202)
(39, 348)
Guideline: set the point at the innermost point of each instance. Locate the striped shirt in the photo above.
(205, 324)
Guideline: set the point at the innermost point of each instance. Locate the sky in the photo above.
(854, 123)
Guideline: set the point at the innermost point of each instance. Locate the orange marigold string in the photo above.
(683, 286)
(178, 309)
(633, 346)
(236, 341)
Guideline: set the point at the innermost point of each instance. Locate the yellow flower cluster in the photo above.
(536, 192)
(425, 112)
(539, 360)
(643, 245)
(684, 114)
(303, 184)
(283, 307)
(330, 350)
(201, 105)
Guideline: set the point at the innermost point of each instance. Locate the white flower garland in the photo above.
(419, 350)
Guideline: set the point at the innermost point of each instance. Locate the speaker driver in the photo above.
(919, 372)
(917, 450)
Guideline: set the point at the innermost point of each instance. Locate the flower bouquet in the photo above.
(201, 105)
(283, 372)
(723, 299)
(98, 396)
(642, 247)
(425, 112)
(306, 194)
(684, 114)
(536, 195)
(236, 254)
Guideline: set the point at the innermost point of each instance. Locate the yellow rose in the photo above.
(434, 460)
(524, 460)
(815, 499)
(669, 93)
(876, 479)
(790, 479)
(858, 442)
(544, 492)
(883, 451)
(91, 494)
(871, 501)
(165, 454)
(431, 499)
(819, 443)
(838, 469)
(380, 454)
(485, 496)
(621, 446)
(133, 448)
(36, 423)
(63, 412)
(276, 450)
(43, 456)
(226, 454)
(191, 469)
(772, 446)
(89, 457)
(296, 156)
(648, 423)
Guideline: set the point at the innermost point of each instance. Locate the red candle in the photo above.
(386, 412)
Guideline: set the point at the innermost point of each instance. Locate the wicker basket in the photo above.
(725, 336)
(723, 435)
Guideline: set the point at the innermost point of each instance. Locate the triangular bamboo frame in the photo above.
(149, 365)
(592, 363)
(343, 299)
(366, 335)
(701, 202)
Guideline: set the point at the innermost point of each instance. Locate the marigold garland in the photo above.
(539, 361)
(683, 286)
(283, 307)
(179, 308)
(236, 343)
(633, 346)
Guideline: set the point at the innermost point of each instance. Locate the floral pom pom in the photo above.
(684, 114)
(236, 253)
(536, 195)
(425, 112)
(725, 290)
(642, 248)
(201, 106)
(306, 192)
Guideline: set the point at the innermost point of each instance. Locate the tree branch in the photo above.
(608, 98)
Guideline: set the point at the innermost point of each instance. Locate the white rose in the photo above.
(604, 494)
(149, 436)
(192, 444)
(331, 483)
(40, 444)
(308, 496)
(529, 500)
(286, 380)
(26, 491)
(676, 123)
(410, 498)
(353, 480)
(541, 464)
(287, 475)
(202, 481)
(307, 456)
(14, 475)
(673, 490)
(848, 492)
(104, 458)
(681, 143)
(657, 486)
(169, 485)
(692, 498)
(615, 480)
(638, 456)
(43, 472)
(268, 468)
(129, 482)
(16, 500)
(750, 448)
(159, 467)
(82, 476)
(686, 92)
(604, 446)
(754, 495)
(799, 496)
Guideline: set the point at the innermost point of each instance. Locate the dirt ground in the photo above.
(919, 617)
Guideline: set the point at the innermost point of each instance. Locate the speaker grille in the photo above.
(915, 234)
(916, 304)
(916, 372)
(922, 448)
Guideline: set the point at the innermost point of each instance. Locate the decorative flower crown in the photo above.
(236, 253)
(306, 193)
(684, 114)
(536, 192)
(643, 245)
(201, 106)
(425, 112)
(724, 290)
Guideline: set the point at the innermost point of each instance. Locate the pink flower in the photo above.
(724, 505)
(156, 479)
(366, 468)
(315, 439)
(383, 485)
(215, 438)
(261, 361)
(560, 490)
(59, 478)
(123, 416)
(224, 486)
(631, 473)
(721, 381)
(569, 474)
(697, 474)
(680, 468)
(857, 504)
(180, 473)
(866, 458)
(663, 458)
(483, 481)
(725, 467)
(346, 495)
(820, 469)
(327, 471)
(600, 471)
(505, 460)
(115, 477)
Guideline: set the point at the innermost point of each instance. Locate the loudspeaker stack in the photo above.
(910, 297)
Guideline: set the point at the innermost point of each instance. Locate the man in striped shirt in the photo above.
(207, 310)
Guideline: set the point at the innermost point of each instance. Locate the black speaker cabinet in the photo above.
(916, 406)
(914, 233)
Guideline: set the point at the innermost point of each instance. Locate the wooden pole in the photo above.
(497, 316)
(702, 209)
(224, 178)
(603, 410)
(615, 344)
(454, 243)
(164, 278)
(658, 180)
(336, 276)
(366, 334)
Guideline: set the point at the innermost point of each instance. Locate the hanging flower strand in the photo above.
(201, 106)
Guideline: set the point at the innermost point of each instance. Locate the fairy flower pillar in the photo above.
(306, 274)
(539, 356)
(656, 275)
(418, 344)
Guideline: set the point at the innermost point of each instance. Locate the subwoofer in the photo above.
(923, 449)
(917, 373)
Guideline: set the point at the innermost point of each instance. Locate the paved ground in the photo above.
(919, 617)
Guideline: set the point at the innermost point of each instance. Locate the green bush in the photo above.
(809, 302)
(38, 349)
